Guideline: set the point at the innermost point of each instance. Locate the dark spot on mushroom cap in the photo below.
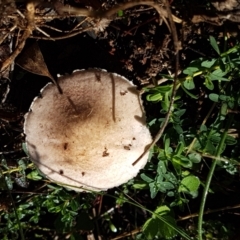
(105, 153)
(65, 145)
(83, 173)
(61, 171)
(127, 147)
(98, 76)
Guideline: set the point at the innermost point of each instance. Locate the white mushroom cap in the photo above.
(89, 136)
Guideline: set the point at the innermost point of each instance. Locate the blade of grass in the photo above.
(210, 175)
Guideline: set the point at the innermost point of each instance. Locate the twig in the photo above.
(208, 212)
(64, 36)
(53, 28)
(174, 90)
(41, 31)
(20, 14)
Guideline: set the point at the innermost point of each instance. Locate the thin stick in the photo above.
(208, 212)
(64, 36)
(174, 90)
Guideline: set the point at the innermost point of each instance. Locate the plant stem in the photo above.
(209, 177)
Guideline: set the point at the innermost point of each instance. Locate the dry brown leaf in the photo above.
(32, 61)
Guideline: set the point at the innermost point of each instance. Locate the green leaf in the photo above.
(209, 147)
(22, 164)
(166, 223)
(161, 168)
(178, 128)
(177, 167)
(189, 84)
(150, 228)
(167, 230)
(162, 210)
(180, 112)
(24, 147)
(154, 97)
(166, 102)
(159, 179)
(195, 157)
(208, 83)
(214, 97)
(230, 140)
(166, 143)
(189, 184)
(208, 63)
(112, 227)
(163, 89)
(182, 161)
(185, 173)
(224, 109)
(140, 185)
(167, 185)
(214, 44)
(196, 63)
(64, 196)
(74, 204)
(55, 209)
(9, 182)
(161, 225)
(203, 128)
(179, 149)
(190, 70)
(145, 178)
(231, 103)
(34, 175)
(67, 218)
(170, 194)
(171, 177)
(218, 75)
(223, 97)
(153, 189)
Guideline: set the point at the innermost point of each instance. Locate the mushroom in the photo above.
(88, 137)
